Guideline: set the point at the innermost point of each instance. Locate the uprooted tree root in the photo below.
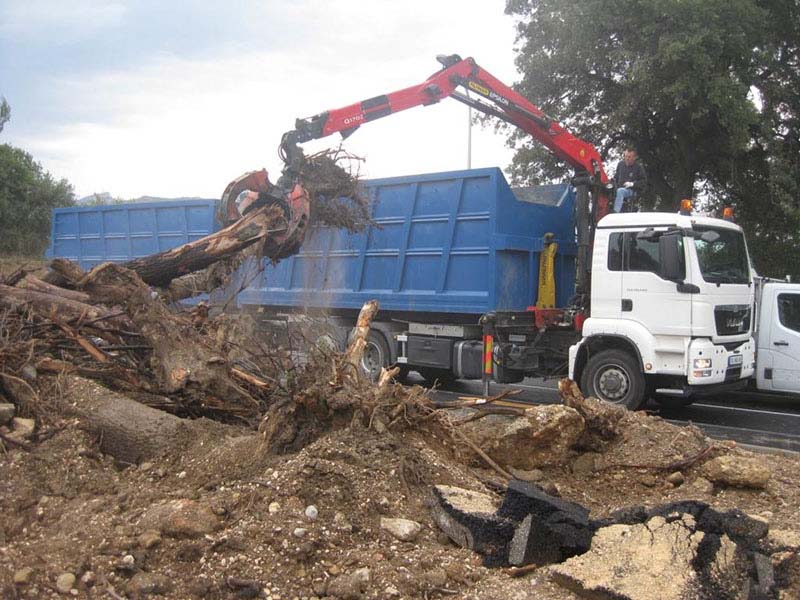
(331, 178)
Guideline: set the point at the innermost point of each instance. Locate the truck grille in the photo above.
(733, 373)
(732, 319)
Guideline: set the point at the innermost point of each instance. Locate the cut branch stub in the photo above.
(355, 350)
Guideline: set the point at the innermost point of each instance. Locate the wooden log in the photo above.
(52, 306)
(29, 282)
(257, 226)
(127, 430)
(63, 272)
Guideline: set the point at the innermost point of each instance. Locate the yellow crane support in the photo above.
(546, 298)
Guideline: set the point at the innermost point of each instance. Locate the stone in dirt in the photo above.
(22, 428)
(404, 530)
(739, 526)
(181, 518)
(340, 522)
(7, 412)
(702, 486)
(629, 562)
(149, 539)
(65, 583)
(726, 560)
(543, 436)
(350, 586)
(585, 464)
(784, 539)
(23, 576)
(532, 475)
(738, 471)
(468, 518)
(675, 478)
(148, 584)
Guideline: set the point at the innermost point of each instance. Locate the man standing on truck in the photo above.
(630, 179)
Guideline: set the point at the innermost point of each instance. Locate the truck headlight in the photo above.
(702, 363)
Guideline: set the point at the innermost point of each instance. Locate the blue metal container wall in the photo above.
(91, 235)
(457, 242)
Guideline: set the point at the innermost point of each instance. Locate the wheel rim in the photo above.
(372, 360)
(612, 383)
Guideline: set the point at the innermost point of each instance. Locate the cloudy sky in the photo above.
(176, 98)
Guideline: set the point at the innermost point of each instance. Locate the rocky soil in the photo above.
(219, 516)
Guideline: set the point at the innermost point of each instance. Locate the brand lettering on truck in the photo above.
(735, 323)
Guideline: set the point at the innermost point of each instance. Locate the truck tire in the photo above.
(375, 357)
(614, 377)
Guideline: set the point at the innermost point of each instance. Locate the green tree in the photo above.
(27, 195)
(764, 183)
(706, 90)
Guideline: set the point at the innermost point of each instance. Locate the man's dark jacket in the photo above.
(634, 173)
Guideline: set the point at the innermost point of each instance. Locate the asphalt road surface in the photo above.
(765, 420)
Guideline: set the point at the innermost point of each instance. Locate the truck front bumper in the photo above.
(711, 364)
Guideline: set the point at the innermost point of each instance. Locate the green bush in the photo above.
(28, 194)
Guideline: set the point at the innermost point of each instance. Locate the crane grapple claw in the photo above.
(253, 190)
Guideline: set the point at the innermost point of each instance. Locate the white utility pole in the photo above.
(469, 137)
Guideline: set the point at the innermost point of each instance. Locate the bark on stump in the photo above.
(127, 430)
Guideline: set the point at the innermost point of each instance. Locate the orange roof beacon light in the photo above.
(727, 213)
(686, 206)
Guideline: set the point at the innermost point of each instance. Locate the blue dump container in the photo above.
(90, 235)
(455, 242)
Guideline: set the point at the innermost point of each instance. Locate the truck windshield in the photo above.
(725, 259)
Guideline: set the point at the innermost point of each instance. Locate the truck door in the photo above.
(647, 298)
(607, 275)
(784, 339)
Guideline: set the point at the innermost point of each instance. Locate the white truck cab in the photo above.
(778, 337)
(672, 305)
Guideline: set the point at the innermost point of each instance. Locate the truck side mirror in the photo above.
(669, 249)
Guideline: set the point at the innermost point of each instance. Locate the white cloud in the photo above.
(187, 127)
(28, 18)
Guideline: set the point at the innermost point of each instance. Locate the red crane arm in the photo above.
(457, 73)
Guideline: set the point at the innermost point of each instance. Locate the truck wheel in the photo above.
(375, 357)
(614, 376)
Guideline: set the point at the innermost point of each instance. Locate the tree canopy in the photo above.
(27, 195)
(707, 91)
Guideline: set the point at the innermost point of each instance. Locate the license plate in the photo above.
(734, 360)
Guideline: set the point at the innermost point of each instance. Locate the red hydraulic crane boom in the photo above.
(496, 99)
(507, 105)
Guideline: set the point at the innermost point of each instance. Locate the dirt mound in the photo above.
(220, 516)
